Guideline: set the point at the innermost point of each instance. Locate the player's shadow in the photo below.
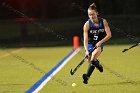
(117, 83)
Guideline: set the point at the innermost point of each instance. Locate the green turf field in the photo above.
(20, 68)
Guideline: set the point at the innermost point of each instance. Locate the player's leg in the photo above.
(94, 57)
(90, 47)
(87, 75)
(89, 59)
(93, 63)
(90, 67)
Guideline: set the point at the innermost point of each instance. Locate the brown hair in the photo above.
(92, 7)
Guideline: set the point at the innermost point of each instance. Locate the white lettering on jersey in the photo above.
(97, 31)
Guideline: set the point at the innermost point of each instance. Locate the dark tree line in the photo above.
(64, 8)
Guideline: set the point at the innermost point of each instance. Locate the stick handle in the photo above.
(134, 45)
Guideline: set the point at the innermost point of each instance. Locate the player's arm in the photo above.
(85, 35)
(108, 33)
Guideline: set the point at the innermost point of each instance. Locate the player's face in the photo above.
(92, 14)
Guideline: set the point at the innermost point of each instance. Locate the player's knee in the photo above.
(92, 61)
(99, 49)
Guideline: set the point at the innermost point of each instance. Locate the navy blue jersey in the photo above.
(96, 33)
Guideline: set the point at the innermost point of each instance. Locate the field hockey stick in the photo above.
(130, 47)
(82, 61)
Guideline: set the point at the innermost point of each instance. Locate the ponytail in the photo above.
(92, 7)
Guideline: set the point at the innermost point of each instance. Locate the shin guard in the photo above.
(91, 67)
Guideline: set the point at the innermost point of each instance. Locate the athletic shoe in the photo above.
(85, 79)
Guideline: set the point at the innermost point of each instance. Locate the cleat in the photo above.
(85, 79)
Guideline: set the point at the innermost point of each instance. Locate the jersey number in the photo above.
(95, 38)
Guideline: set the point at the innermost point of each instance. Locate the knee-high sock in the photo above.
(91, 67)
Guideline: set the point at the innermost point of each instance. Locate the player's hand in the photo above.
(87, 54)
